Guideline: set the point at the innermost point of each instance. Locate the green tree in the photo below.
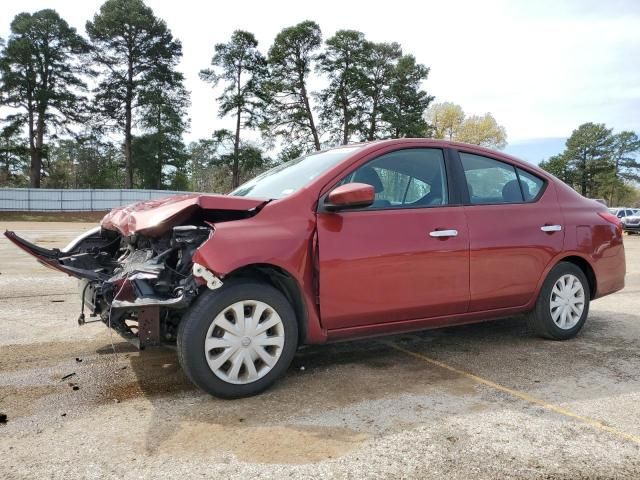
(212, 160)
(242, 67)
(342, 101)
(86, 161)
(14, 158)
(626, 167)
(41, 70)
(289, 113)
(589, 154)
(159, 154)
(406, 102)
(202, 156)
(135, 48)
(290, 152)
(558, 165)
(381, 81)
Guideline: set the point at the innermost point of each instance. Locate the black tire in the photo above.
(196, 322)
(540, 319)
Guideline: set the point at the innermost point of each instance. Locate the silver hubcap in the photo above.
(567, 301)
(244, 341)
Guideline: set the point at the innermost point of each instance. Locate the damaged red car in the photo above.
(361, 240)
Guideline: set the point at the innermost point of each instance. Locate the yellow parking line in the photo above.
(524, 396)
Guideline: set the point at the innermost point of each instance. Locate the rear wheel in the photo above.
(563, 304)
(236, 341)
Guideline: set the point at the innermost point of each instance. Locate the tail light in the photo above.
(611, 218)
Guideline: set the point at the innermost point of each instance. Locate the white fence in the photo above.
(85, 200)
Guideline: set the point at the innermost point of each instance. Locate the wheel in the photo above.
(236, 341)
(563, 304)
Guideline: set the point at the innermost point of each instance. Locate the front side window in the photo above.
(409, 178)
(490, 181)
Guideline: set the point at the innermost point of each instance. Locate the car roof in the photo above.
(442, 143)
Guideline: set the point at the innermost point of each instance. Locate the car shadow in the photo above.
(327, 384)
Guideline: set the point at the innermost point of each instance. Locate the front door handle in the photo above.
(551, 228)
(443, 233)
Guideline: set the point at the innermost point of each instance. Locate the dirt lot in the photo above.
(482, 401)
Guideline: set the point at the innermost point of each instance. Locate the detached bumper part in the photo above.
(53, 258)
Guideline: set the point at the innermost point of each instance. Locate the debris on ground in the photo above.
(302, 368)
(69, 375)
(74, 386)
(3, 418)
(78, 359)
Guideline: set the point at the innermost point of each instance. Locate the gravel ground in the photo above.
(482, 401)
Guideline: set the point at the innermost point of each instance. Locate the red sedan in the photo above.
(362, 240)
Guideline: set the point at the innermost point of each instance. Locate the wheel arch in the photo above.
(586, 268)
(284, 282)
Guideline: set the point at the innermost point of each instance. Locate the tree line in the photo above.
(599, 163)
(109, 108)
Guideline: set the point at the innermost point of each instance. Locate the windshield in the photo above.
(285, 179)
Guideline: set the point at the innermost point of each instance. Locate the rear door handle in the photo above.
(551, 228)
(443, 233)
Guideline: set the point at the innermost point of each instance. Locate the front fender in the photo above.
(285, 243)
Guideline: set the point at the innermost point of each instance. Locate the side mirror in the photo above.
(350, 195)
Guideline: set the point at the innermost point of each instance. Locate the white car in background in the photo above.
(622, 212)
(631, 221)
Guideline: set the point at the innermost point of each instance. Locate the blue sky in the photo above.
(540, 67)
(537, 149)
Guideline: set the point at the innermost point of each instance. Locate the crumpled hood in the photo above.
(154, 217)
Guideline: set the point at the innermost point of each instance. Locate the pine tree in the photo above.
(41, 70)
(240, 65)
(343, 101)
(134, 49)
(406, 102)
(288, 111)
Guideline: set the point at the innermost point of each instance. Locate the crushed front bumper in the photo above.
(118, 294)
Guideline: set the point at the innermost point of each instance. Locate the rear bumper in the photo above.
(610, 273)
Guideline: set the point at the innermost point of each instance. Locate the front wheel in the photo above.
(563, 304)
(236, 341)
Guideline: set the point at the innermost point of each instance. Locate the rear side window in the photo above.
(531, 185)
(490, 181)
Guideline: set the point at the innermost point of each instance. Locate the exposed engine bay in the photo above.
(122, 277)
(140, 282)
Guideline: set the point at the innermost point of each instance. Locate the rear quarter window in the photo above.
(531, 185)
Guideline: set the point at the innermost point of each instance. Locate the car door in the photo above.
(515, 229)
(404, 257)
